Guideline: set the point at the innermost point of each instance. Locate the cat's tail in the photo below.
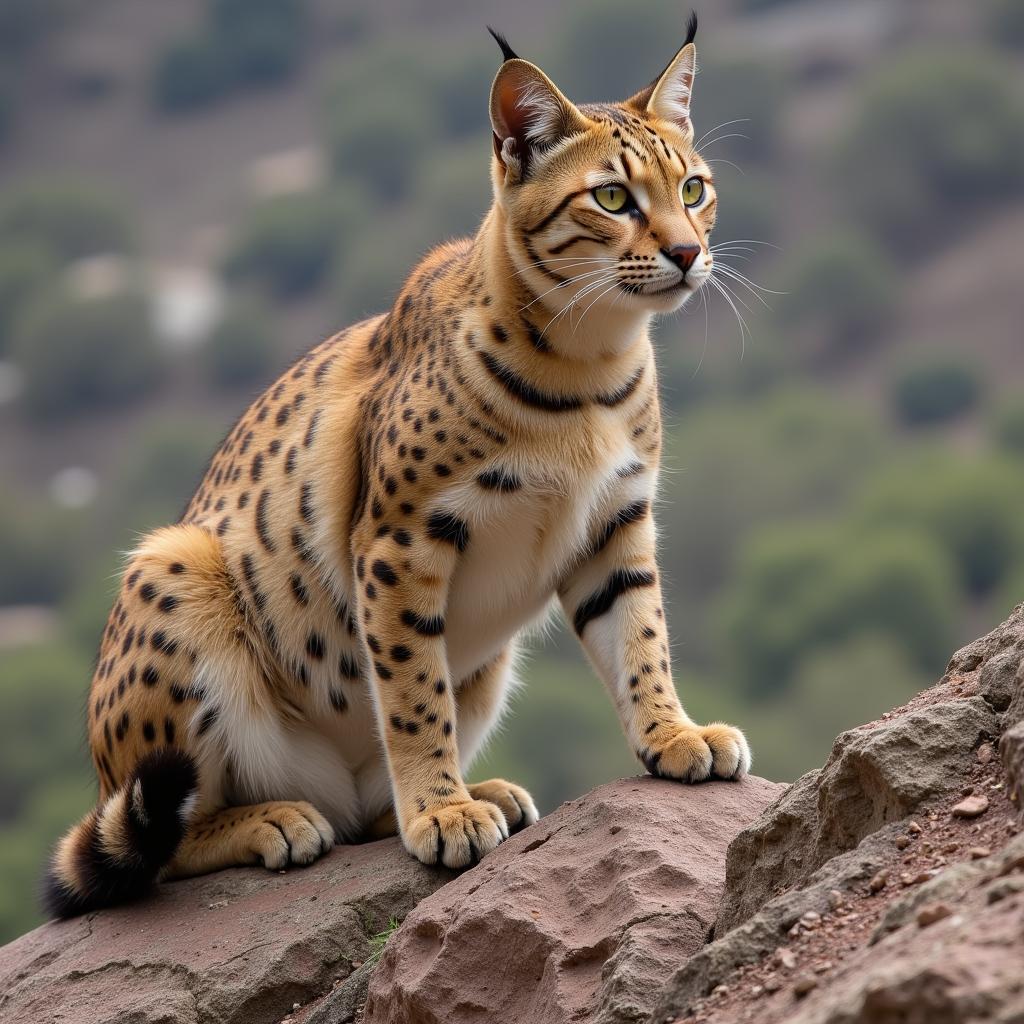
(115, 853)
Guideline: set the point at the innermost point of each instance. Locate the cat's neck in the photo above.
(592, 328)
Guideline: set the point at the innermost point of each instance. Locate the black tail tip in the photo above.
(166, 779)
(84, 874)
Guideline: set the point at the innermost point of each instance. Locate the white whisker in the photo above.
(724, 124)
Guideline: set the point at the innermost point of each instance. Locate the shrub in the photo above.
(159, 474)
(379, 141)
(243, 43)
(936, 391)
(240, 349)
(842, 286)
(943, 128)
(23, 23)
(69, 219)
(189, 73)
(732, 468)
(80, 354)
(797, 588)
(35, 551)
(260, 41)
(287, 244)
(970, 509)
(25, 270)
(1006, 22)
(1009, 427)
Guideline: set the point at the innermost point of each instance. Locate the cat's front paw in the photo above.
(514, 802)
(457, 835)
(692, 753)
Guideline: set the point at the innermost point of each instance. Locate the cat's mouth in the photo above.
(684, 286)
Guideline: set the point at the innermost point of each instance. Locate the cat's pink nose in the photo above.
(683, 256)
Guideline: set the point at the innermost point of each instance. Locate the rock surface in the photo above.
(887, 887)
(581, 917)
(238, 947)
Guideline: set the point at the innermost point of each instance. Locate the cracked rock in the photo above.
(575, 919)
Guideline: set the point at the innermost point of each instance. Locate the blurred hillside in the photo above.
(193, 193)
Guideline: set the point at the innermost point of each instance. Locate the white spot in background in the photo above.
(74, 487)
(12, 380)
(99, 277)
(292, 170)
(187, 302)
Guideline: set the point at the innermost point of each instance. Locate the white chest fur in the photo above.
(522, 544)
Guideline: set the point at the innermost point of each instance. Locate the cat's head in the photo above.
(603, 203)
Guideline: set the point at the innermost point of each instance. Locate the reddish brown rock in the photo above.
(581, 917)
(238, 947)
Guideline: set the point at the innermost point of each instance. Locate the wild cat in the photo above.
(323, 643)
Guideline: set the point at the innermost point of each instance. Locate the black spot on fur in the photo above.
(617, 584)
(444, 526)
(432, 625)
(499, 480)
(383, 572)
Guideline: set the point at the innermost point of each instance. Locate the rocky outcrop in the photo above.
(582, 917)
(238, 947)
(886, 887)
(600, 901)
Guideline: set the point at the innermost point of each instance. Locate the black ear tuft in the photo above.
(691, 28)
(507, 52)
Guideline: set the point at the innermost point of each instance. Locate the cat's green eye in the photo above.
(692, 191)
(613, 198)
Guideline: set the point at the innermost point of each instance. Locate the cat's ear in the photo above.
(668, 96)
(528, 115)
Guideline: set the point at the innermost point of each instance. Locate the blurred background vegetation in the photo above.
(193, 193)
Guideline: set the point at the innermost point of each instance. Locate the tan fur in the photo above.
(329, 630)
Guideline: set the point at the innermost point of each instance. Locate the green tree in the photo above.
(943, 129)
(26, 269)
(936, 390)
(1009, 427)
(287, 244)
(36, 546)
(969, 508)
(842, 288)
(798, 588)
(86, 354)
(68, 219)
(190, 73)
(240, 349)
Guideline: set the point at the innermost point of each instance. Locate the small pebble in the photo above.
(785, 958)
(914, 828)
(985, 753)
(825, 965)
(971, 807)
(804, 985)
(932, 912)
(902, 842)
(720, 990)
(772, 984)
(979, 852)
(877, 884)
(756, 990)
(835, 899)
